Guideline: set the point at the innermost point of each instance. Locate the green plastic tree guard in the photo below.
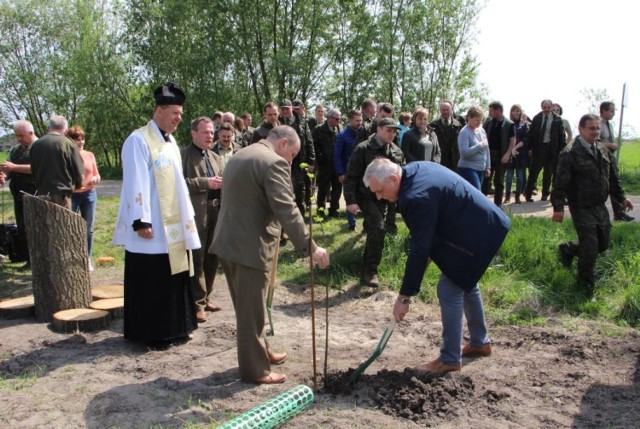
(275, 411)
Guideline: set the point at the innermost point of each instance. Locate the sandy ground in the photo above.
(570, 373)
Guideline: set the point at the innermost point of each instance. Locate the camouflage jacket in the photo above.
(362, 155)
(584, 181)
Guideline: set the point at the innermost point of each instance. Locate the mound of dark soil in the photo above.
(422, 398)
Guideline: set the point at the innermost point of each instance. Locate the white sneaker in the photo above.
(90, 266)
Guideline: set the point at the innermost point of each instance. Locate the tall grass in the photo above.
(630, 167)
(525, 283)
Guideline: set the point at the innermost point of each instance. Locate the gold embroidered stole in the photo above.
(163, 172)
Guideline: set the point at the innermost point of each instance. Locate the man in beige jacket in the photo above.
(258, 201)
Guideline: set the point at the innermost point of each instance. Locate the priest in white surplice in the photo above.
(156, 227)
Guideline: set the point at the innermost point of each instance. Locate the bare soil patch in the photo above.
(570, 373)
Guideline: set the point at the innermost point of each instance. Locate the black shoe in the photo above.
(565, 255)
(370, 280)
(527, 198)
(333, 213)
(623, 217)
(545, 197)
(352, 227)
(321, 212)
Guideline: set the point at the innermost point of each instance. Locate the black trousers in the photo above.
(543, 159)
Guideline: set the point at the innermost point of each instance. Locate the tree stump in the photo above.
(107, 291)
(115, 306)
(80, 319)
(57, 240)
(17, 308)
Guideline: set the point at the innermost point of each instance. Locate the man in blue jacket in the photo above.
(345, 142)
(460, 230)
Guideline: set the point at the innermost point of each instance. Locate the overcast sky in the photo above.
(532, 50)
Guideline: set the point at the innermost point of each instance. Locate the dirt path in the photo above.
(568, 374)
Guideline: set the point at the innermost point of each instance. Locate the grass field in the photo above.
(630, 167)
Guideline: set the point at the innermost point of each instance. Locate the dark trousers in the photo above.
(374, 213)
(205, 264)
(328, 185)
(21, 246)
(543, 159)
(592, 239)
(497, 177)
(617, 205)
(298, 184)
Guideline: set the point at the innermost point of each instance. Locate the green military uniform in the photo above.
(583, 180)
(306, 155)
(262, 131)
(373, 210)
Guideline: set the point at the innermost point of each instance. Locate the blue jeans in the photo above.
(474, 177)
(454, 302)
(85, 203)
(520, 180)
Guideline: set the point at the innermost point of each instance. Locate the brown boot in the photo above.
(507, 198)
(436, 367)
(518, 198)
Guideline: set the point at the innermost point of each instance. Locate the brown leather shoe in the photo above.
(436, 367)
(273, 378)
(484, 350)
(212, 307)
(201, 316)
(277, 358)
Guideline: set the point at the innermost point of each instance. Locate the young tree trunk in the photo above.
(57, 241)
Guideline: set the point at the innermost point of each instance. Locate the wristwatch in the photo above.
(405, 300)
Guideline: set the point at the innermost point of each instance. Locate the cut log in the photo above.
(18, 308)
(107, 292)
(104, 260)
(80, 319)
(59, 262)
(115, 306)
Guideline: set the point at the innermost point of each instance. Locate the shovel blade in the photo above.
(377, 352)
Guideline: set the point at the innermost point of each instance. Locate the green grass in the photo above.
(21, 381)
(630, 167)
(525, 284)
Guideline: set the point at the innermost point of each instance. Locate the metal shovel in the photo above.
(377, 352)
